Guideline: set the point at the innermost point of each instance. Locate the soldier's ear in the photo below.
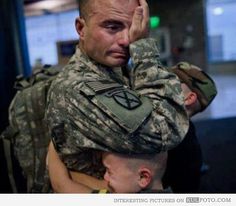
(80, 26)
(190, 98)
(145, 177)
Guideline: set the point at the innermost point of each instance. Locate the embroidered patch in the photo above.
(127, 99)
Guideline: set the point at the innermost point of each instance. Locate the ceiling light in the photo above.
(51, 6)
(218, 11)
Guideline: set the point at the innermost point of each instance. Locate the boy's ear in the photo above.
(145, 177)
(80, 26)
(191, 98)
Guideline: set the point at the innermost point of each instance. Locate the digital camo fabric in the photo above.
(92, 107)
(149, 78)
(27, 132)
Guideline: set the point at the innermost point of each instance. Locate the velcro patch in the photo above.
(125, 107)
(103, 85)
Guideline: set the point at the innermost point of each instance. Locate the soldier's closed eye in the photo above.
(113, 26)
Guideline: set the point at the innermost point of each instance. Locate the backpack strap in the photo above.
(38, 74)
(43, 73)
(8, 133)
(7, 152)
(21, 82)
(6, 137)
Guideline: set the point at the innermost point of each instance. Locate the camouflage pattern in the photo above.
(198, 81)
(27, 131)
(86, 112)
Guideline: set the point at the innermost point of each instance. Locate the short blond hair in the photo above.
(155, 162)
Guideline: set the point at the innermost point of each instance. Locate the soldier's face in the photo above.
(120, 178)
(104, 35)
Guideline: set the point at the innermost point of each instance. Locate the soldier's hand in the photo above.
(140, 24)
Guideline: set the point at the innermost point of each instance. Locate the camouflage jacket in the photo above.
(95, 107)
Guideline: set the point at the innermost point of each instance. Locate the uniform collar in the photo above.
(115, 73)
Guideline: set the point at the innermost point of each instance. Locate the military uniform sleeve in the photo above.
(168, 121)
(73, 148)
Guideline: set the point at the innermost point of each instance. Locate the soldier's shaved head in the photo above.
(84, 7)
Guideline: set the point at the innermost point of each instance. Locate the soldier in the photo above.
(95, 103)
(185, 161)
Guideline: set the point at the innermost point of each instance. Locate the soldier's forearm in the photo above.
(169, 120)
(89, 181)
(59, 175)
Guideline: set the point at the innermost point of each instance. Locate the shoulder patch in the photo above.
(125, 107)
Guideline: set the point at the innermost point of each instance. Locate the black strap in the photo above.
(9, 133)
(7, 152)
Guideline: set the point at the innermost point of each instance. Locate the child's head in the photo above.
(133, 173)
(198, 87)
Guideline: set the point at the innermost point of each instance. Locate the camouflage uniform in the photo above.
(95, 107)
